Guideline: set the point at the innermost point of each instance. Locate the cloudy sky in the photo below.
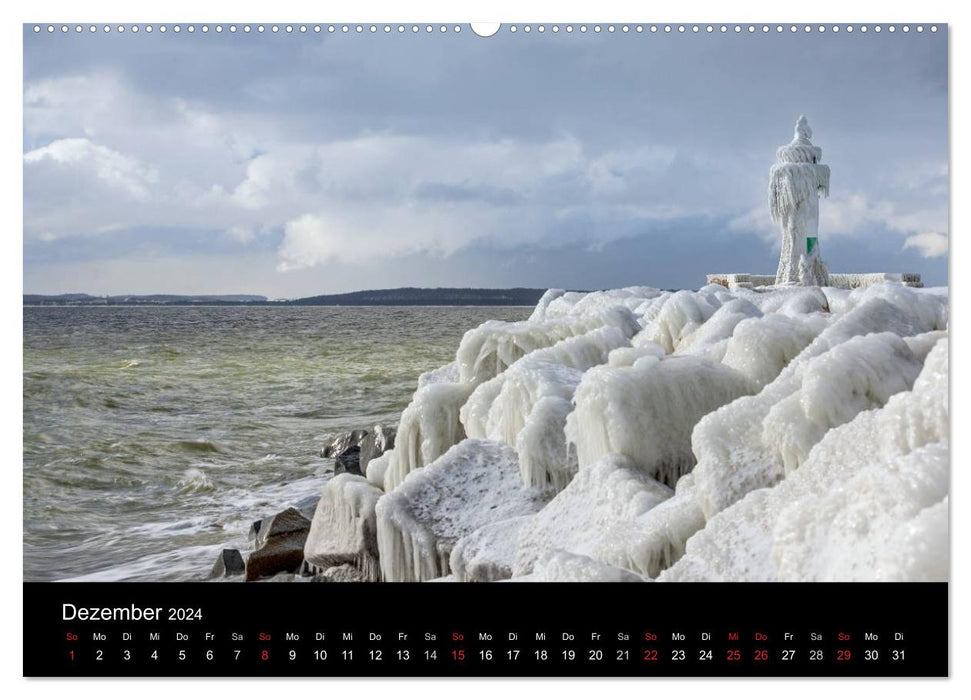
(291, 165)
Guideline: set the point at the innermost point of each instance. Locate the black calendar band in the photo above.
(504, 629)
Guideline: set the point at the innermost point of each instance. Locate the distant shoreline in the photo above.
(269, 304)
(407, 296)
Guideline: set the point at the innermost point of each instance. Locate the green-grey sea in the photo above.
(154, 436)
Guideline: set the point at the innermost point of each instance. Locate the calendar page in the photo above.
(519, 349)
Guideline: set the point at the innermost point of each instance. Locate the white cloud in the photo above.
(930, 244)
(115, 169)
(384, 195)
(360, 233)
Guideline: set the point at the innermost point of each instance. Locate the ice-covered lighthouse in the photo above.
(795, 183)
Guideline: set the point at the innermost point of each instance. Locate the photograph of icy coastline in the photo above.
(407, 306)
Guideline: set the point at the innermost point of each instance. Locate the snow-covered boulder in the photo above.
(376, 470)
(598, 304)
(475, 483)
(648, 410)
(760, 348)
(655, 540)
(579, 518)
(759, 405)
(750, 444)
(446, 374)
(718, 328)
(870, 503)
(539, 312)
(928, 311)
(858, 375)
(490, 349)
(788, 301)
(560, 566)
(903, 503)
(489, 553)
(678, 317)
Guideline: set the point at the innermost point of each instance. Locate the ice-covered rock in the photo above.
(753, 442)
(344, 529)
(499, 408)
(597, 304)
(733, 456)
(376, 470)
(678, 317)
(539, 313)
(788, 301)
(760, 348)
(579, 518)
(656, 540)
(625, 357)
(928, 311)
(490, 349)
(648, 310)
(545, 461)
(719, 327)
(737, 395)
(345, 573)
(446, 374)
(526, 406)
(869, 503)
(921, 345)
(877, 524)
(648, 410)
(475, 483)
(560, 566)
(858, 375)
(873, 315)
(489, 553)
(429, 426)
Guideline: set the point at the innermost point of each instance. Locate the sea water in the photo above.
(154, 436)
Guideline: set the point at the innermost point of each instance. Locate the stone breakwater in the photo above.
(774, 434)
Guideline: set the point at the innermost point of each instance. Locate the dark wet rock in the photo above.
(279, 554)
(289, 520)
(371, 443)
(308, 505)
(229, 563)
(375, 444)
(342, 442)
(348, 461)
